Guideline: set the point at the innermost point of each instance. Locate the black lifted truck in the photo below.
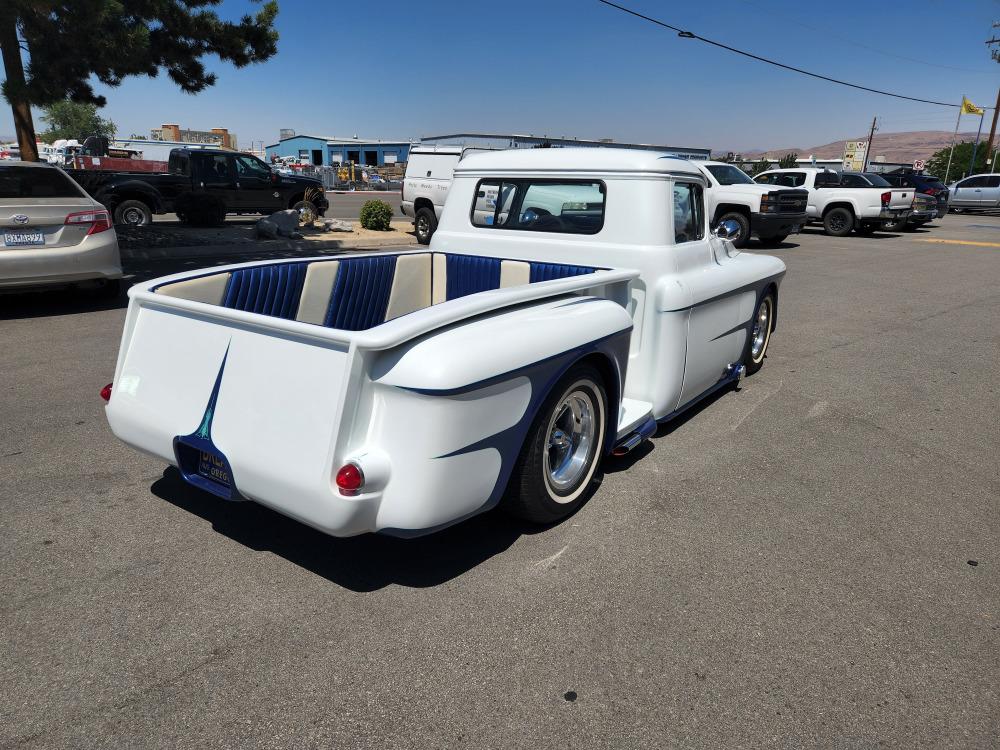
(201, 186)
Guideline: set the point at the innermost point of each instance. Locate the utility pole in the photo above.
(868, 149)
(996, 109)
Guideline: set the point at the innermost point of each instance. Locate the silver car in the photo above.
(978, 191)
(52, 233)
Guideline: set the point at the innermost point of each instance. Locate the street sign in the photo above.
(854, 155)
(918, 164)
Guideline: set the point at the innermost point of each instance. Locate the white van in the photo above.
(429, 171)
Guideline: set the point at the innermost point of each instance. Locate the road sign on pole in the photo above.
(918, 164)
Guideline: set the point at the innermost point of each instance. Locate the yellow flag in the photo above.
(968, 108)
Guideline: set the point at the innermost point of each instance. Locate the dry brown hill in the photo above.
(903, 147)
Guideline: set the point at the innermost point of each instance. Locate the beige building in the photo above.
(173, 132)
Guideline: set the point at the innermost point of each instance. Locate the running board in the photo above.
(734, 374)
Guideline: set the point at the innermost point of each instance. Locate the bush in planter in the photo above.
(376, 215)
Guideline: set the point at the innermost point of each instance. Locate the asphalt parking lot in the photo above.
(812, 560)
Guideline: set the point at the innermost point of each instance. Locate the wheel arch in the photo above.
(773, 289)
(841, 204)
(423, 202)
(729, 208)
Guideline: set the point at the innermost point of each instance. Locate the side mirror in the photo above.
(727, 229)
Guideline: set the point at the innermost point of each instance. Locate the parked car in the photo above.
(201, 186)
(981, 191)
(921, 183)
(403, 392)
(924, 210)
(426, 183)
(843, 201)
(54, 234)
(770, 215)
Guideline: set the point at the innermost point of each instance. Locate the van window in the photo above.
(689, 212)
(565, 206)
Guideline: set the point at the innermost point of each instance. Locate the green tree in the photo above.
(761, 165)
(69, 119)
(788, 161)
(69, 44)
(937, 165)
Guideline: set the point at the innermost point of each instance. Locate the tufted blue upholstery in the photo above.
(361, 293)
(549, 271)
(267, 290)
(468, 274)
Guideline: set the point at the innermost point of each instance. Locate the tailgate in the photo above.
(235, 406)
(902, 198)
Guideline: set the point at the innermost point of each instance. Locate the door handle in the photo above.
(978, 190)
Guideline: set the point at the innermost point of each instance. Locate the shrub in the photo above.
(376, 215)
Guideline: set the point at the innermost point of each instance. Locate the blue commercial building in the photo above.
(330, 150)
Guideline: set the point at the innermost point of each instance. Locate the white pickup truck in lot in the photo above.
(402, 392)
(759, 211)
(844, 201)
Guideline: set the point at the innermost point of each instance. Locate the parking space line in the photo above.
(961, 242)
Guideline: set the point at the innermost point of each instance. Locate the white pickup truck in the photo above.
(759, 210)
(402, 392)
(844, 201)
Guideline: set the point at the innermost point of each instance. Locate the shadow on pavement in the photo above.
(362, 563)
(51, 302)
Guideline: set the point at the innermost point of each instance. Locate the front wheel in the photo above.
(308, 212)
(760, 334)
(556, 466)
(838, 222)
(425, 222)
(743, 236)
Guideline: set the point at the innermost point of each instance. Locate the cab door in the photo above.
(215, 176)
(255, 188)
(715, 337)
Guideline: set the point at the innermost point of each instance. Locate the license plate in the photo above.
(21, 239)
(213, 467)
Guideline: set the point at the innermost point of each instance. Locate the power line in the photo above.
(691, 35)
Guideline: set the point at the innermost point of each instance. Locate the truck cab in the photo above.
(759, 210)
(570, 301)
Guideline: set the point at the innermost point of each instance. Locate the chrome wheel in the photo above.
(761, 330)
(571, 435)
(423, 226)
(307, 213)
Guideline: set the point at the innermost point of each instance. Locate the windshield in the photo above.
(727, 174)
(877, 180)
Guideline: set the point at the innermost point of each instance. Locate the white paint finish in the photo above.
(207, 289)
(411, 285)
(304, 398)
(439, 279)
(514, 273)
(316, 291)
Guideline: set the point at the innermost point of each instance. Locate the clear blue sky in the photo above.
(579, 68)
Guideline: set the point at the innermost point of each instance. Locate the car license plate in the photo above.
(213, 467)
(21, 239)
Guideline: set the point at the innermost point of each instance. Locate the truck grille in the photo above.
(792, 201)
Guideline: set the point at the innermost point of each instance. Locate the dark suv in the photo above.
(922, 183)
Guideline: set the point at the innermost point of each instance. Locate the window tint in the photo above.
(727, 174)
(853, 181)
(248, 166)
(993, 181)
(973, 182)
(783, 179)
(36, 182)
(570, 207)
(689, 212)
(827, 179)
(931, 180)
(876, 180)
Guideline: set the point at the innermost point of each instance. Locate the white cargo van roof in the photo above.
(576, 160)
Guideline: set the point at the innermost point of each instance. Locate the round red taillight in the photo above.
(106, 392)
(350, 479)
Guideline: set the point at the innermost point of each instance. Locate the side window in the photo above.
(569, 207)
(247, 166)
(766, 179)
(973, 182)
(217, 167)
(993, 182)
(853, 181)
(827, 179)
(689, 212)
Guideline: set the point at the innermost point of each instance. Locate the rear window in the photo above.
(877, 180)
(931, 180)
(36, 182)
(564, 206)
